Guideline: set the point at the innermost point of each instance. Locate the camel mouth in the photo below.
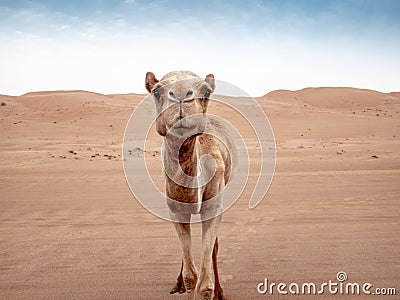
(188, 126)
(181, 124)
(182, 128)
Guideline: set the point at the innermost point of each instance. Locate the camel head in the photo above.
(181, 99)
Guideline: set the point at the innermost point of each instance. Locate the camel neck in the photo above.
(185, 156)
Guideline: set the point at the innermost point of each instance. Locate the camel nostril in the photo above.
(189, 93)
(171, 94)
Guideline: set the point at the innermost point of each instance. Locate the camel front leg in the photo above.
(189, 272)
(205, 287)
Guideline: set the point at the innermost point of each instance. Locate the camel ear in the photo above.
(211, 81)
(151, 80)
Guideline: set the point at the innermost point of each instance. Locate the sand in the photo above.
(71, 228)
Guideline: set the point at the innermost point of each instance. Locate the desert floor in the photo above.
(71, 228)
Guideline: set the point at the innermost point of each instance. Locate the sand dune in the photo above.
(337, 98)
(70, 228)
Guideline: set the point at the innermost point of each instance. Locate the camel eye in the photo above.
(156, 94)
(189, 94)
(207, 94)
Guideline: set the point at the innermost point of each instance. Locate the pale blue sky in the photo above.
(107, 46)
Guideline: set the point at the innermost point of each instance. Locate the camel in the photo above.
(181, 99)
